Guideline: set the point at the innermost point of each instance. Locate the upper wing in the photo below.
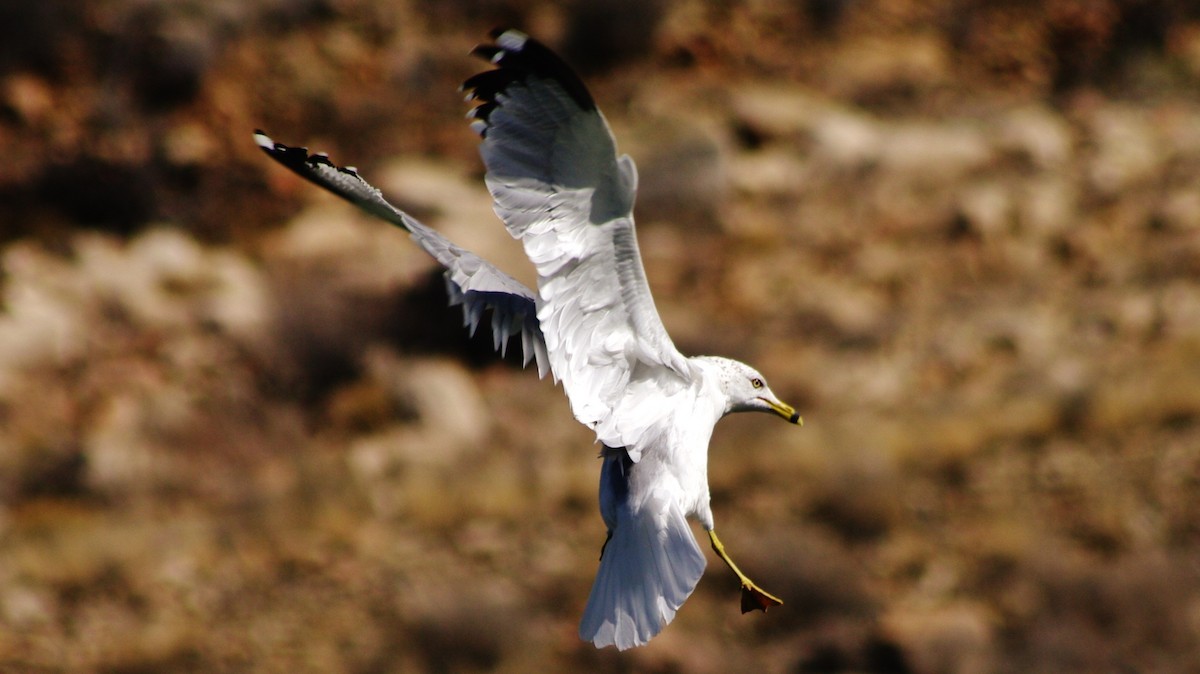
(470, 280)
(561, 189)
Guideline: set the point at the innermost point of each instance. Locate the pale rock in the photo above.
(1181, 209)
(1137, 314)
(1181, 309)
(24, 607)
(133, 282)
(957, 638)
(238, 299)
(1037, 132)
(774, 110)
(872, 381)
(1176, 130)
(401, 467)
(360, 251)
(847, 138)
(1047, 206)
(445, 396)
(166, 280)
(1127, 149)
(1070, 376)
(884, 261)
(768, 173)
(41, 320)
(1039, 328)
(60, 313)
(452, 420)
(119, 456)
(935, 153)
(30, 97)
(189, 144)
(854, 310)
(863, 64)
(988, 206)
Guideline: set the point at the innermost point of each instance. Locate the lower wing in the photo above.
(471, 281)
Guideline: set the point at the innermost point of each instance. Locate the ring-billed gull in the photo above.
(562, 190)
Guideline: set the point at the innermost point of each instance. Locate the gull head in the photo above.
(746, 390)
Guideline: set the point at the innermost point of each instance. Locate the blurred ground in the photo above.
(240, 431)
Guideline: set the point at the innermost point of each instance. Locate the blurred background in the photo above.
(240, 431)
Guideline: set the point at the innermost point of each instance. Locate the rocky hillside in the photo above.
(240, 431)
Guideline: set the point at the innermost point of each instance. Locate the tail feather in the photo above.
(649, 568)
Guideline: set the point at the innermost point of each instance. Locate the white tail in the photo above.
(649, 568)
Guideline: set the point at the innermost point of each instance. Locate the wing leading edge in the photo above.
(561, 189)
(471, 281)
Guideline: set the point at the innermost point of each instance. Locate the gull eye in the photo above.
(757, 383)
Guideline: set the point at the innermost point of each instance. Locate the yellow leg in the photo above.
(753, 597)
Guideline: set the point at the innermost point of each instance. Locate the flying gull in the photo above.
(562, 190)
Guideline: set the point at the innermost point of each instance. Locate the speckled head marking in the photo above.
(746, 389)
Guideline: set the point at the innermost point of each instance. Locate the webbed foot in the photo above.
(755, 598)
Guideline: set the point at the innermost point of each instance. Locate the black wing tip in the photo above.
(297, 159)
(517, 56)
(291, 157)
(264, 141)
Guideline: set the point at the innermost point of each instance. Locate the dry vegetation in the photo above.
(240, 431)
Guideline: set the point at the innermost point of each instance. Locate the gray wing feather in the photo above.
(471, 281)
(561, 188)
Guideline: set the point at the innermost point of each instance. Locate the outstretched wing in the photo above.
(471, 281)
(561, 189)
